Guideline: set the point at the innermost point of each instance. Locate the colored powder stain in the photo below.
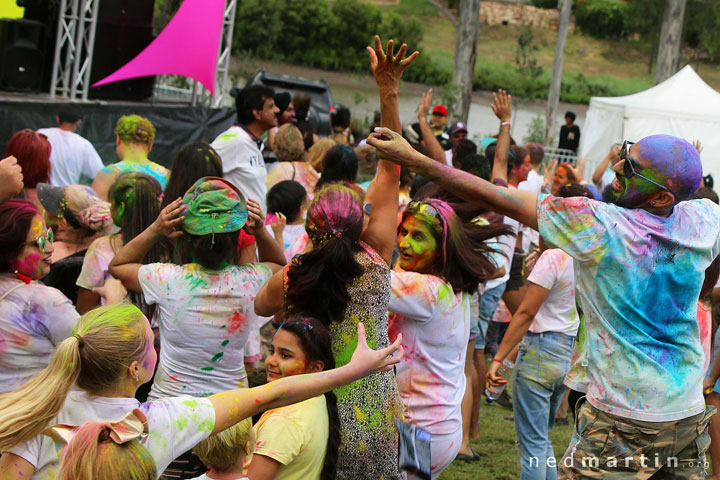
(181, 423)
(191, 403)
(359, 413)
(207, 369)
(225, 342)
(217, 357)
(236, 322)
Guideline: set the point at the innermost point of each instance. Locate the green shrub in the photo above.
(602, 18)
(545, 3)
(310, 32)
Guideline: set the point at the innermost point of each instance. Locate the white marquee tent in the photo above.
(683, 105)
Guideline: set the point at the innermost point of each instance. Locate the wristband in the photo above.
(502, 124)
(496, 360)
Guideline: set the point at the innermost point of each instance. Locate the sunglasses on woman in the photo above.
(43, 241)
(630, 168)
(423, 207)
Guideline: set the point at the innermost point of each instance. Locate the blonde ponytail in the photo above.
(26, 412)
(92, 455)
(105, 341)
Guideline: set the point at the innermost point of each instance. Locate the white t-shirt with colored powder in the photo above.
(34, 319)
(638, 277)
(175, 425)
(205, 317)
(243, 163)
(435, 325)
(71, 157)
(554, 272)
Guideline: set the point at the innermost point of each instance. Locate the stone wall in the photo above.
(511, 13)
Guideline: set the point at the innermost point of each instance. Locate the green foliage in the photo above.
(603, 18)
(312, 33)
(527, 66)
(576, 87)
(536, 131)
(545, 3)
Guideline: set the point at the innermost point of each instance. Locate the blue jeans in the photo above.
(488, 304)
(542, 363)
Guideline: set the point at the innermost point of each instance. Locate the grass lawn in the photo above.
(621, 64)
(500, 458)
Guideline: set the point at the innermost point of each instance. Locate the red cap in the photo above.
(441, 109)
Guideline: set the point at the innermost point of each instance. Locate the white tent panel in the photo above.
(683, 106)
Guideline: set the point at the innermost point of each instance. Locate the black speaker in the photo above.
(21, 54)
(124, 29)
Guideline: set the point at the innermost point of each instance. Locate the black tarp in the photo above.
(176, 125)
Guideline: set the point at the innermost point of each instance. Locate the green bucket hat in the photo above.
(214, 205)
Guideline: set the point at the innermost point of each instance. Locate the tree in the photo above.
(555, 84)
(670, 39)
(468, 33)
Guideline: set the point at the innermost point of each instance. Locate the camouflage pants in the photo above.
(610, 447)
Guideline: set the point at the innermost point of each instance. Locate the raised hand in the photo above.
(424, 108)
(387, 67)
(550, 172)
(278, 223)
(369, 361)
(502, 105)
(11, 178)
(578, 169)
(256, 219)
(390, 145)
(697, 145)
(170, 217)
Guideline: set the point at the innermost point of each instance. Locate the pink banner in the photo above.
(187, 46)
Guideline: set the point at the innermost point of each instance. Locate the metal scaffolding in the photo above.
(75, 42)
(202, 96)
(74, 45)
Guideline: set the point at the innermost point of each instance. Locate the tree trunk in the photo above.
(468, 33)
(554, 95)
(668, 54)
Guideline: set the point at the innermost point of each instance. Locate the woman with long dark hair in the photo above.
(204, 303)
(301, 440)
(345, 278)
(442, 260)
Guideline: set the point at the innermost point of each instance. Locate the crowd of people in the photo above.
(272, 304)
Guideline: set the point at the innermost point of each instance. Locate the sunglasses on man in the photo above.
(630, 168)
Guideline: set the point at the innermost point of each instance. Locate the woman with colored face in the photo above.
(93, 377)
(301, 440)
(342, 277)
(441, 262)
(134, 205)
(34, 318)
(563, 176)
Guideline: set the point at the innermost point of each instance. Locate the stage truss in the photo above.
(75, 43)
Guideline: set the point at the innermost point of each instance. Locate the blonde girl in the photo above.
(111, 354)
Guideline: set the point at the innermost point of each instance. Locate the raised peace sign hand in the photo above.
(387, 67)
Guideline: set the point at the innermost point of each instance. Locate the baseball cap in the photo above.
(440, 110)
(214, 205)
(487, 141)
(458, 127)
